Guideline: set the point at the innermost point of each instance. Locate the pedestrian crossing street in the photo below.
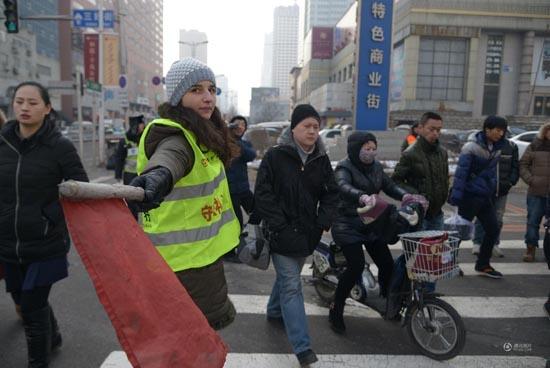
(506, 325)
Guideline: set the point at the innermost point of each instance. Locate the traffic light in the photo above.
(12, 18)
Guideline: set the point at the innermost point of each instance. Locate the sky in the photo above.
(235, 31)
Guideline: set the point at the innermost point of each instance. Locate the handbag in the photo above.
(256, 250)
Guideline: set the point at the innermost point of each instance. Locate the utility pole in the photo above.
(102, 99)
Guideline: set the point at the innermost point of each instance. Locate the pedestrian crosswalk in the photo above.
(506, 324)
(238, 360)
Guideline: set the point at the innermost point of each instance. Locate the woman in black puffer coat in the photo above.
(34, 159)
(358, 176)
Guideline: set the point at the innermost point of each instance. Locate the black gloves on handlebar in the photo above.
(156, 183)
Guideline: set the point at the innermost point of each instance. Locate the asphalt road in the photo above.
(505, 323)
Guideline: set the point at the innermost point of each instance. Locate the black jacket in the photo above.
(355, 181)
(237, 174)
(297, 201)
(508, 167)
(32, 225)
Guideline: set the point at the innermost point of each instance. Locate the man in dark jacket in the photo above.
(423, 169)
(237, 176)
(475, 186)
(508, 176)
(126, 152)
(296, 196)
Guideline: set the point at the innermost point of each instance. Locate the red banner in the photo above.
(321, 43)
(156, 321)
(91, 57)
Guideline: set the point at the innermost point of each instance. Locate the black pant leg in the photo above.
(355, 264)
(236, 201)
(381, 255)
(488, 219)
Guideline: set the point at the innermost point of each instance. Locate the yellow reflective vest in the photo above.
(195, 224)
(130, 165)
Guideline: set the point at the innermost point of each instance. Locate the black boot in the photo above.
(57, 341)
(38, 332)
(336, 318)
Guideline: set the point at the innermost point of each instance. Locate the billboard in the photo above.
(540, 73)
(373, 65)
(91, 57)
(397, 77)
(111, 62)
(344, 32)
(321, 43)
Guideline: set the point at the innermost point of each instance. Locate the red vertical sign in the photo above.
(91, 57)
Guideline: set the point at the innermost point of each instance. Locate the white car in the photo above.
(523, 140)
(329, 135)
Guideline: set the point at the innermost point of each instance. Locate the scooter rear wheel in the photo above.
(324, 289)
(437, 329)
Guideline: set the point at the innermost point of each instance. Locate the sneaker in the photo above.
(547, 308)
(475, 249)
(306, 357)
(489, 272)
(497, 252)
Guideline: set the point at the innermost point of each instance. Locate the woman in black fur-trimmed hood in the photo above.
(34, 159)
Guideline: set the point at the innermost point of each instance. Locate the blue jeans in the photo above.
(500, 208)
(287, 300)
(434, 223)
(536, 206)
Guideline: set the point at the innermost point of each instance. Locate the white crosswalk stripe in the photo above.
(118, 359)
(507, 269)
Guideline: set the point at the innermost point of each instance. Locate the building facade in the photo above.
(193, 44)
(465, 59)
(285, 47)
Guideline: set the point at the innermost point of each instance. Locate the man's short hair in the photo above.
(429, 115)
(494, 121)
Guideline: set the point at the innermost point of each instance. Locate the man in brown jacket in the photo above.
(534, 169)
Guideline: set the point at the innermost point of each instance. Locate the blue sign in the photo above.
(89, 18)
(373, 65)
(108, 19)
(85, 18)
(122, 81)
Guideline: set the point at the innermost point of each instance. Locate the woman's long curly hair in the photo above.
(212, 133)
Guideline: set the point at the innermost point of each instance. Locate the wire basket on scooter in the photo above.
(430, 255)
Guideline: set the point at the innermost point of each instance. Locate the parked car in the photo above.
(523, 140)
(329, 135)
(264, 135)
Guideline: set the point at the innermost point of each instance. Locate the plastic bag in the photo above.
(463, 227)
(255, 252)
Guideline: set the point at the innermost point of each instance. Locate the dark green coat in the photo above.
(423, 168)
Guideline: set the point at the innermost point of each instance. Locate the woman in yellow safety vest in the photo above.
(187, 207)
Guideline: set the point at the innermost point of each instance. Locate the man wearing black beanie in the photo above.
(296, 197)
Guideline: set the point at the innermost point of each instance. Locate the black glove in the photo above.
(156, 183)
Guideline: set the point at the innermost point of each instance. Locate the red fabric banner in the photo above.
(156, 321)
(91, 57)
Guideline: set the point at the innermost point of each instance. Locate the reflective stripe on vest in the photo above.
(195, 224)
(130, 165)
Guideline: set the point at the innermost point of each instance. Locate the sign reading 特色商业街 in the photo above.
(373, 65)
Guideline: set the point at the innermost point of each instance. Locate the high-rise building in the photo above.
(323, 13)
(285, 47)
(193, 44)
(141, 51)
(267, 63)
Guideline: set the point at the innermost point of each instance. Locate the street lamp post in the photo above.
(193, 46)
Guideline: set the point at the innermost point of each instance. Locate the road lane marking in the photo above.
(507, 269)
(118, 359)
(467, 306)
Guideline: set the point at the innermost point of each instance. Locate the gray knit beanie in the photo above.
(184, 74)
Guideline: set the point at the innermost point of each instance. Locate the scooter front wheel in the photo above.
(324, 289)
(436, 329)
